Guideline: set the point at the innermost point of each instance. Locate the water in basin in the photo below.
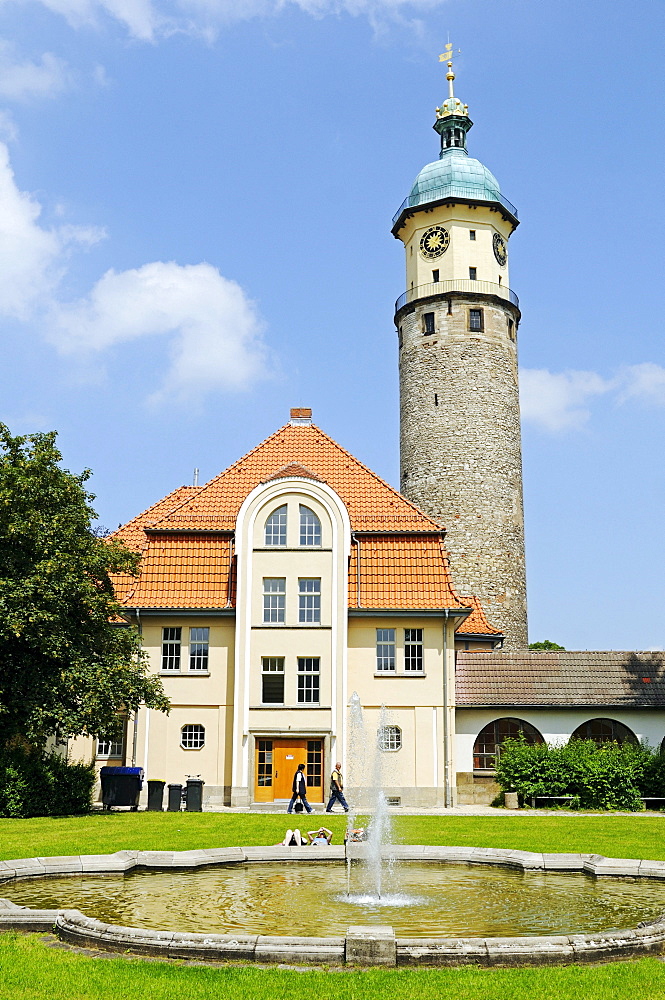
(308, 898)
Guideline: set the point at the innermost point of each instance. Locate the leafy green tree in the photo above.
(547, 644)
(68, 662)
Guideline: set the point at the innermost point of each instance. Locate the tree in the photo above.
(69, 663)
(547, 644)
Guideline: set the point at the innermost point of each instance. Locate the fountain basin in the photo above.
(376, 946)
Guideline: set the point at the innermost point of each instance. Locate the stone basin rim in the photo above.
(364, 945)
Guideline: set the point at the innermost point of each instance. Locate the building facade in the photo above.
(457, 323)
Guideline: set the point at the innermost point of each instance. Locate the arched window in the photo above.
(310, 527)
(389, 738)
(192, 737)
(275, 533)
(488, 743)
(604, 731)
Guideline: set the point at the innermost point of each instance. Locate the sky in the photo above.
(195, 210)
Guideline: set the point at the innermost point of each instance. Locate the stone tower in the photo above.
(457, 321)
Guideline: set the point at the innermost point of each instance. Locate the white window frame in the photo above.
(309, 600)
(386, 638)
(309, 680)
(416, 644)
(389, 738)
(111, 748)
(270, 666)
(274, 600)
(194, 738)
(310, 528)
(274, 530)
(198, 658)
(171, 643)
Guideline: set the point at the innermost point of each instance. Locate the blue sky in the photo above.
(195, 208)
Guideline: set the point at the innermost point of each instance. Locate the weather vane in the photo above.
(447, 56)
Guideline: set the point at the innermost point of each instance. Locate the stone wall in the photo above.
(461, 459)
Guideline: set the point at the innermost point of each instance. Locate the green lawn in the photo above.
(31, 969)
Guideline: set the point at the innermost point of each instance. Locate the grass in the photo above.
(32, 969)
(623, 836)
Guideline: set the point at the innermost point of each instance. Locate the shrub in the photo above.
(605, 776)
(34, 783)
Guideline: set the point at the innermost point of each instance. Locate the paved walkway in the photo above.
(440, 811)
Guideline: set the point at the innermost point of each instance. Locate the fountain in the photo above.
(442, 903)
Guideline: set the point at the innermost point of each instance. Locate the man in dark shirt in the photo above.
(299, 789)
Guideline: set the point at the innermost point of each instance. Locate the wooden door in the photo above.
(287, 755)
(277, 762)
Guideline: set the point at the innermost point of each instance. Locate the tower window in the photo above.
(472, 234)
(511, 329)
(428, 323)
(435, 276)
(450, 307)
(499, 279)
(475, 319)
(473, 273)
(436, 399)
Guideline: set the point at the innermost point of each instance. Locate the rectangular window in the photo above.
(308, 680)
(413, 649)
(428, 322)
(314, 763)
(511, 329)
(473, 273)
(475, 319)
(272, 680)
(264, 763)
(171, 638)
(472, 234)
(309, 601)
(111, 748)
(199, 640)
(274, 599)
(435, 277)
(385, 649)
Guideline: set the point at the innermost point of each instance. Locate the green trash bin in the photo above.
(195, 795)
(175, 795)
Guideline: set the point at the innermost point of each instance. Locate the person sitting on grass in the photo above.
(320, 837)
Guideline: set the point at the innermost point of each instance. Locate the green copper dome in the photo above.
(456, 173)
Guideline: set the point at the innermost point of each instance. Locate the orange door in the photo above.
(287, 755)
(277, 762)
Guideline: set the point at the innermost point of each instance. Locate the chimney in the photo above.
(300, 415)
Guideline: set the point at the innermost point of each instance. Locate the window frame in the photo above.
(168, 654)
(389, 738)
(111, 744)
(429, 324)
(309, 669)
(196, 647)
(196, 730)
(281, 513)
(272, 666)
(309, 527)
(386, 641)
(309, 601)
(274, 601)
(481, 320)
(414, 649)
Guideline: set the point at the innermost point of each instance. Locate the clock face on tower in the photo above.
(500, 251)
(434, 242)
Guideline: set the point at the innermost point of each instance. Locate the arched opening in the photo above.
(490, 739)
(310, 527)
(604, 731)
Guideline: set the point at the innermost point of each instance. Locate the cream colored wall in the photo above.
(291, 639)
(462, 252)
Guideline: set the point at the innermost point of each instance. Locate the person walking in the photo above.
(299, 789)
(336, 789)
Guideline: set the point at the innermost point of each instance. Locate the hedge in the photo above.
(600, 776)
(34, 783)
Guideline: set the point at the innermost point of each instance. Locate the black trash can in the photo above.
(155, 795)
(175, 794)
(121, 786)
(195, 795)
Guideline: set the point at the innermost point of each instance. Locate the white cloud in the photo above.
(644, 382)
(214, 329)
(24, 80)
(138, 16)
(558, 401)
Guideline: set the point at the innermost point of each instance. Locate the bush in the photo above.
(34, 783)
(605, 776)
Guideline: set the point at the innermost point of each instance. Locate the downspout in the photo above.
(136, 713)
(447, 798)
